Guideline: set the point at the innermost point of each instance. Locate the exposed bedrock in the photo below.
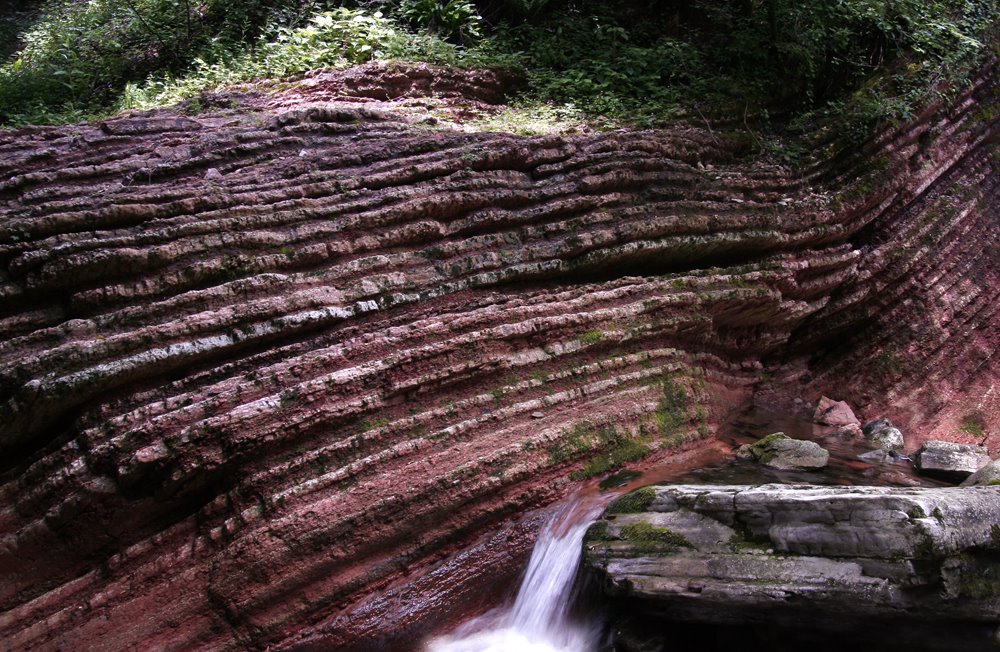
(260, 365)
(841, 559)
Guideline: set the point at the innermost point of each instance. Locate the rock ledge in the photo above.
(832, 556)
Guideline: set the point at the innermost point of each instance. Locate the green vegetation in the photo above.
(623, 450)
(761, 449)
(83, 59)
(617, 448)
(646, 537)
(774, 62)
(373, 424)
(591, 337)
(633, 502)
(575, 440)
(974, 424)
(598, 531)
(979, 577)
(456, 20)
(671, 409)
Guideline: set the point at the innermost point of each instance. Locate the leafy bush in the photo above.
(457, 20)
(326, 39)
(861, 62)
(78, 56)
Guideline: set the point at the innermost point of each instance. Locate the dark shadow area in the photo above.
(862, 635)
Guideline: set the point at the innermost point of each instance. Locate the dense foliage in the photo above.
(636, 61)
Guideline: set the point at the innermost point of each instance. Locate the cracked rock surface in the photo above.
(829, 556)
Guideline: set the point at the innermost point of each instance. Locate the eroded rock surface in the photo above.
(949, 460)
(268, 364)
(988, 475)
(881, 434)
(779, 451)
(837, 558)
(835, 413)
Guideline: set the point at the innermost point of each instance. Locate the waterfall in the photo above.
(539, 620)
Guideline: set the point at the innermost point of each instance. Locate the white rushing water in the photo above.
(539, 620)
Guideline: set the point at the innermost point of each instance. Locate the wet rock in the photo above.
(777, 554)
(877, 456)
(950, 461)
(834, 413)
(880, 433)
(988, 475)
(779, 451)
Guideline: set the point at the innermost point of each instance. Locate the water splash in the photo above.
(540, 619)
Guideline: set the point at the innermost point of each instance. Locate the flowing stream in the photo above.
(540, 619)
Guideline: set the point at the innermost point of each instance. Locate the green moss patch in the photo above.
(633, 502)
(598, 531)
(619, 448)
(644, 536)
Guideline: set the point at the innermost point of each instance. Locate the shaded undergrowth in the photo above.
(748, 65)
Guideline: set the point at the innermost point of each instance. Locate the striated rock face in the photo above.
(268, 365)
(837, 558)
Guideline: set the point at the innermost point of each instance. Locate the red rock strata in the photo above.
(257, 365)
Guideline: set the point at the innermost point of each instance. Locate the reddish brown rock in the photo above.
(835, 413)
(270, 396)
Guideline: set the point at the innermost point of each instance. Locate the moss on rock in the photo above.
(633, 502)
(644, 536)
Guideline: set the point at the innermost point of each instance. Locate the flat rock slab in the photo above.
(949, 460)
(739, 555)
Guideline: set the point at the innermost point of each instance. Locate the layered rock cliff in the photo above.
(882, 568)
(261, 367)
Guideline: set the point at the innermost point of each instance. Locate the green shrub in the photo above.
(861, 63)
(78, 56)
(331, 39)
(457, 20)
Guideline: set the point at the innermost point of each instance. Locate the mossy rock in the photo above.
(779, 451)
(633, 502)
(646, 537)
(598, 531)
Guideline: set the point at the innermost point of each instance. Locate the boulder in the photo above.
(834, 413)
(881, 433)
(779, 451)
(988, 475)
(950, 461)
(901, 559)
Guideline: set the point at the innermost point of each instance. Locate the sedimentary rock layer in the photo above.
(259, 363)
(837, 558)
